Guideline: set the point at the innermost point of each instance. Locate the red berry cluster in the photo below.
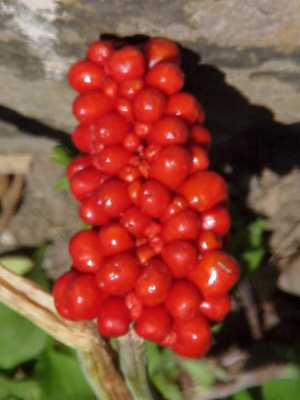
(153, 257)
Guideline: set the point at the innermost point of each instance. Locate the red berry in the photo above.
(171, 166)
(78, 164)
(100, 51)
(142, 129)
(183, 300)
(118, 275)
(204, 190)
(178, 204)
(186, 106)
(207, 241)
(160, 49)
(193, 337)
(113, 318)
(91, 105)
(110, 88)
(154, 198)
(149, 105)
(113, 197)
(134, 190)
(85, 75)
(130, 88)
(134, 305)
(145, 253)
(154, 324)
(129, 174)
(216, 220)
(85, 252)
(167, 77)
(126, 63)
(200, 160)
(110, 129)
(111, 159)
(180, 256)
(124, 108)
(215, 273)
(85, 182)
(135, 221)
(93, 213)
(200, 135)
(77, 296)
(131, 142)
(114, 239)
(154, 283)
(184, 225)
(168, 130)
(215, 308)
(83, 138)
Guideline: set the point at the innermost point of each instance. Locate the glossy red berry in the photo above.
(85, 182)
(168, 130)
(131, 142)
(114, 239)
(154, 324)
(159, 49)
(177, 204)
(91, 105)
(93, 213)
(183, 300)
(134, 305)
(76, 296)
(215, 308)
(111, 129)
(118, 274)
(207, 241)
(193, 337)
(171, 166)
(165, 76)
(110, 87)
(145, 253)
(200, 159)
(135, 221)
(186, 106)
(154, 283)
(126, 63)
(83, 138)
(113, 197)
(215, 274)
(78, 164)
(216, 220)
(111, 159)
(180, 256)
(85, 75)
(204, 190)
(114, 318)
(124, 108)
(149, 105)
(184, 225)
(154, 198)
(85, 252)
(131, 87)
(100, 51)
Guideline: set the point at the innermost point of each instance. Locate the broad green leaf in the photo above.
(244, 395)
(37, 274)
(20, 340)
(62, 184)
(61, 378)
(21, 265)
(61, 155)
(199, 371)
(281, 389)
(13, 389)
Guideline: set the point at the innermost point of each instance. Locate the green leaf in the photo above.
(256, 231)
(37, 274)
(62, 184)
(163, 371)
(281, 389)
(21, 265)
(253, 258)
(244, 395)
(61, 378)
(61, 155)
(20, 340)
(199, 371)
(12, 389)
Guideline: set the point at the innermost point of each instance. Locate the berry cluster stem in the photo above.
(29, 300)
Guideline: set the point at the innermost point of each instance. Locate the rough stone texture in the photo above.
(254, 43)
